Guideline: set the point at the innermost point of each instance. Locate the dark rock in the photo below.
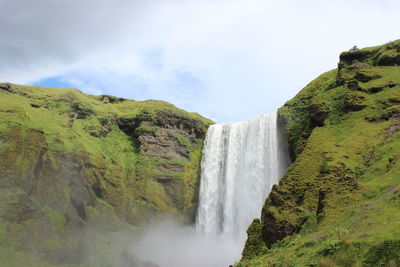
(394, 100)
(97, 131)
(356, 55)
(275, 229)
(378, 88)
(374, 90)
(391, 84)
(321, 204)
(254, 244)
(276, 198)
(128, 126)
(80, 112)
(35, 105)
(191, 126)
(352, 85)
(364, 76)
(162, 143)
(391, 162)
(389, 60)
(354, 101)
(6, 87)
(318, 114)
(165, 138)
(393, 111)
(111, 99)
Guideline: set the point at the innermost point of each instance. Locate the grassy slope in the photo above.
(38, 124)
(339, 203)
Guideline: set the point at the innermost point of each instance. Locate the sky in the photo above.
(229, 60)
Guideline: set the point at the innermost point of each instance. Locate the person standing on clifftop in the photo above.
(354, 48)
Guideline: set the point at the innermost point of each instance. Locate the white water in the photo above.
(241, 162)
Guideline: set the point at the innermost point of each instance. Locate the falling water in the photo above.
(241, 161)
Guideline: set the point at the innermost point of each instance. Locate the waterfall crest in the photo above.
(241, 161)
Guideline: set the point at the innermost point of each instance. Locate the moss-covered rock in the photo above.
(70, 162)
(338, 204)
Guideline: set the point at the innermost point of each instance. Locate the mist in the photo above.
(168, 243)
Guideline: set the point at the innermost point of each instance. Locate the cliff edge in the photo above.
(339, 202)
(71, 163)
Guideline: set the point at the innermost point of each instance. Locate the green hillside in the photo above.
(81, 174)
(339, 202)
(73, 164)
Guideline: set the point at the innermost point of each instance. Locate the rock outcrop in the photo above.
(71, 163)
(340, 198)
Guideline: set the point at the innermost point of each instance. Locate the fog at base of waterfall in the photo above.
(240, 164)
(170, 244)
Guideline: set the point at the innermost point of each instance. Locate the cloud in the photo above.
(228, 60)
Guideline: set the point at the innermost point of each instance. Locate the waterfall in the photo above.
(241, 161)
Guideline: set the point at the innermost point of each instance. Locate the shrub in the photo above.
(330, 248)
(386, 253)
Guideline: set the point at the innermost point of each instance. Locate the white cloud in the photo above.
(228, 60)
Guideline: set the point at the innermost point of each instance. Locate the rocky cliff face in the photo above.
(338, 204)
(70, 162)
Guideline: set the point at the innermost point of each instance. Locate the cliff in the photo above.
(71, 163)
(339, 202)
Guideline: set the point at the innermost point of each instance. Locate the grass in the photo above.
(352, 157)
(67, 149)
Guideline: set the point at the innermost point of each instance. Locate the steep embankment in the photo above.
(70, 162)
(339, 202)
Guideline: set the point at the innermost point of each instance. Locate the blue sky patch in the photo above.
(53, 82)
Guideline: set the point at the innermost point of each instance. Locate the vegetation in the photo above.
(339, 202)
(71, 163)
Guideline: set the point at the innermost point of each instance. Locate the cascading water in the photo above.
(241, 161)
